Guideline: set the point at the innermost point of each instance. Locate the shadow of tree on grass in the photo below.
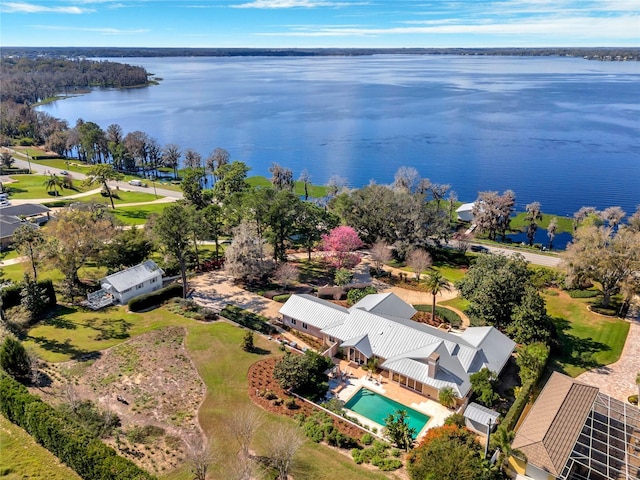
(576, 351)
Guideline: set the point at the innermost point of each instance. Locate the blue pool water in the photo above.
(377, 407)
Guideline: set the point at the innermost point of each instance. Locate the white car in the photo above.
(5, 203)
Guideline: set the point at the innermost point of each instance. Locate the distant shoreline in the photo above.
(587, 53)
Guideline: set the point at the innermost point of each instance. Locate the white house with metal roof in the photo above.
(465, 212)
(132, 282)
(415, 355)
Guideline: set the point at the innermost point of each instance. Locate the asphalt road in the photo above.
(534, 258)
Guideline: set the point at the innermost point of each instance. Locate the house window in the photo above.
(304, 325)
(293, 321)
(138, 287)
(153, 280)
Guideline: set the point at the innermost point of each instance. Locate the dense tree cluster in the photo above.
(450, 453)
(29, 81)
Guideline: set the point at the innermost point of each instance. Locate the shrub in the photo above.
(512, 416)
(63, 437)
(247, 319)
(367, 439)
(357, 294)
(154, 299)
(11, 295)
(583, 293)
(291, 404)
(455, 419)
(633, 399)
(14, 359)
(608, 311)
(281, 298)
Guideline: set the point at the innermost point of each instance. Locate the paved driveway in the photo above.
(618, 380)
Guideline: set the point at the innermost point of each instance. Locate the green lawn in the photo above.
(457, 302)
(315, 191)
(33, 186)
(138, 215)
(588, 340)
(23, 458)
(215, 349)
(75, 332)
(565, 224)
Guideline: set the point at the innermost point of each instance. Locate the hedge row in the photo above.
(153, 299)
(444, 313)
(11, 295)
(512, 416)
(583, 293)
(247, 319)
(71, 443)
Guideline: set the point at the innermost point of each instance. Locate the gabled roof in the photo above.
(313, 311)
(133, 276)
(550, 430)
(402, 343)
(385, 304)
(481, 414)
(9, 224)
(465, 207)
(25, 209)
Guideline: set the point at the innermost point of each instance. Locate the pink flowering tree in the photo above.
(340, 245)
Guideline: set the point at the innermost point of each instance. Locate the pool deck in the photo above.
(358, 378)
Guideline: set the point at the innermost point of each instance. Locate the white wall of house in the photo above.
(147, 286)
(301, 326)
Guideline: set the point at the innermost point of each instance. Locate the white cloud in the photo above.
(569, 28)
(273, 4)
(23, 7)
(101, 30)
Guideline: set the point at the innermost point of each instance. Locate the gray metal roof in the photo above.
(404, 344)
(25, 209)
(385, 304)
(133, 276)
(313, 311)
(481, 414)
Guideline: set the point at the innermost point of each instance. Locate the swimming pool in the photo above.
(377, 407)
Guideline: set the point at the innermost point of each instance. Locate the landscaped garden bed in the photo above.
(265, 391)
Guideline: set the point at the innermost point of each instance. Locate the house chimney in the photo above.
(432, 363)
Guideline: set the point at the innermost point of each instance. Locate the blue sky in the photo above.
(320, 23)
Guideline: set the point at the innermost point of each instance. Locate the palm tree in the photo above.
(436, 284)
(54, 183)
(447, 397)
(103, 173)
(502, 439)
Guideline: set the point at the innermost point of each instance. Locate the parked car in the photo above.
(64, 172)
(5, 203)
(479, 249)
(135, 183)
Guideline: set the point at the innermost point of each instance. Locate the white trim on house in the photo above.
(413, 350)
(132, 282)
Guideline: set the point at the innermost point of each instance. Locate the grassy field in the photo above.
(75, 332)
(33, 186)
(588, 340)
(23, 458)
(139, 214)
(315, 191)
(565, 224)
(217, 354)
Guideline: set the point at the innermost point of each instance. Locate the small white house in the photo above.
(465, 212)
(143, 278)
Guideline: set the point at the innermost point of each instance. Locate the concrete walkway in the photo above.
(618, 380)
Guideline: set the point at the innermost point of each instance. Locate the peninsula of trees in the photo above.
(27, 80)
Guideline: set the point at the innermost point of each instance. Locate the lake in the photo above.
(561, 131)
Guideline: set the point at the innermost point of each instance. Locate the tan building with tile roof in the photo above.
(574, 432)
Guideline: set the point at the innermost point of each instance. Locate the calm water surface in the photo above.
(561, 131)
